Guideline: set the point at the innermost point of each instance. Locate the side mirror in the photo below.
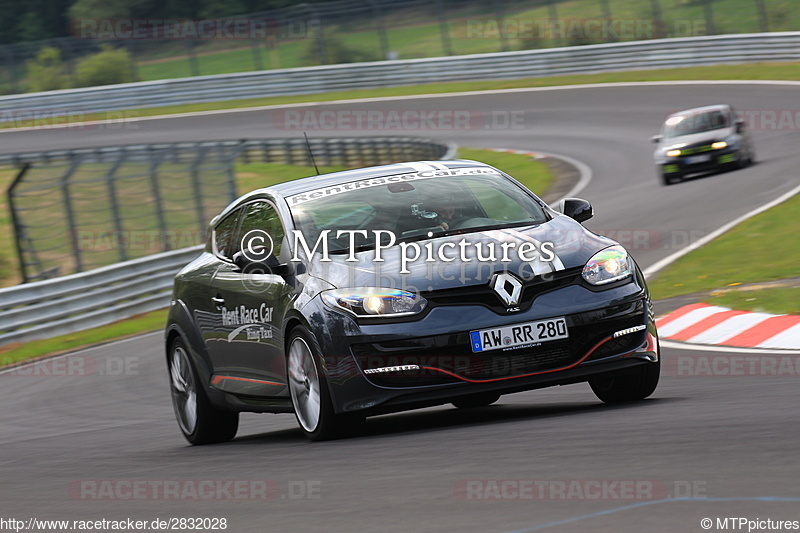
(656, 138)
(740, 124)
(576, 208)
(269, 265)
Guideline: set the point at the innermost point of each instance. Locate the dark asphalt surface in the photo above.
(726, 442)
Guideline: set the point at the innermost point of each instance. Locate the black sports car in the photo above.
(700, 140)
(382, 289)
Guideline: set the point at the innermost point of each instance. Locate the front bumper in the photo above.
(431, 361)
(689, 164)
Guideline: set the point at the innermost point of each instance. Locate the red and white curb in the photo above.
(709, 324)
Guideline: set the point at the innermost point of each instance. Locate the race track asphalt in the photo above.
(718, 438)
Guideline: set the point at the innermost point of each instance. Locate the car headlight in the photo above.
(719, 145)
(610, 264)
(673, 153)
(374, 301)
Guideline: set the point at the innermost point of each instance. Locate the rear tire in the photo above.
(199, 421)
(628, 387)
(309, 390)
(476, 400)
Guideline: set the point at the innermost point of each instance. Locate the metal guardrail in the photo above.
(89, 299)
(660, 53)
(103, 295)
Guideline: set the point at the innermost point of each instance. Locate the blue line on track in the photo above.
(654, 502)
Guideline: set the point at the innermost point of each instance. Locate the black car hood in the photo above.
(573, 246)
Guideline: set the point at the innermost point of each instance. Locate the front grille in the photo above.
(453, 357)
(696, 149)
(484, 295)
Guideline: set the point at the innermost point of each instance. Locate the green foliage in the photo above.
(105, 9)
(46, 71)
(110, 66)
(332, 51)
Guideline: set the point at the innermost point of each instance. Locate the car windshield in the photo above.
(413, 208)
(690, 123)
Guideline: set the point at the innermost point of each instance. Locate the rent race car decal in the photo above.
(323, 192)
(255, 323)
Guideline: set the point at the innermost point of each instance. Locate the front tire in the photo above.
(476, 400)
(199, 421)
(309, 390)
(638, 385)
(670, 178)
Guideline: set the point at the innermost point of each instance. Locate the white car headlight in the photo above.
(374, 301)
(608, 265)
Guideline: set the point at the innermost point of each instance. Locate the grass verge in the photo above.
(764, 248)
(775, 300)
(534, 174)
(15, 353)
(755, 71)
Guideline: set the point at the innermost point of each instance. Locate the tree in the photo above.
(46, 72)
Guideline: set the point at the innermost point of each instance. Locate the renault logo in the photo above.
(508, 288)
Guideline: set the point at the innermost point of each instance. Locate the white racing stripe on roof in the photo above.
(729, 328)
(420, 166)
(437, 165)
(689, 319)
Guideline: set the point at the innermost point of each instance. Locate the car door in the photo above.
(205, 302)
(251, 304)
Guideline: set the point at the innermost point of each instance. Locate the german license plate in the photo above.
(693, 160)
(484, 340)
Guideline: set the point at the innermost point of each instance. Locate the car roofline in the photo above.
(280, 191)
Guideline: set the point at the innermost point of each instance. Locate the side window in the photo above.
(263, 217)
(224, 232)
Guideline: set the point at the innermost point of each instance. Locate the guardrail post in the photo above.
(115, 211)
(11, 67)
(70, 60)
(658, 19)
(257, 63)
(499, 13)
(319, 37)
(162, 223)
(443, 28)
(197, 185)
(15, 222)
(708, 9)
(383, 38)
(130, 46)
(606, 8)
(232, 194)
(763, 19)
(72, 227)
(552, 13)
(192, 58)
